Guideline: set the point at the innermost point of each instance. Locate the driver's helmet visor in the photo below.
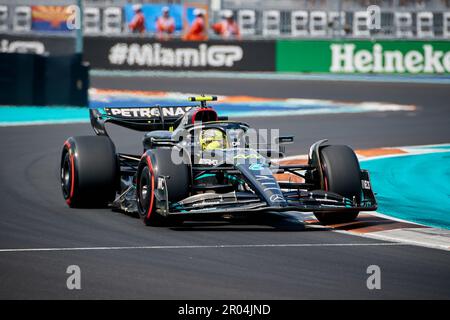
(213, 139)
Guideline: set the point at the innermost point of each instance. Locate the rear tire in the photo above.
(155, 164)
(341, 174)
(89, 171)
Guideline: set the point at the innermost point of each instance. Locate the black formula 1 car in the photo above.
(198, 166)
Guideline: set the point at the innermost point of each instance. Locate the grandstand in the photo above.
(261, 19)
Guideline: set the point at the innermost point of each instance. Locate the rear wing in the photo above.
(138, 118)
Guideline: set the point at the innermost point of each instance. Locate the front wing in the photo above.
(235, 204)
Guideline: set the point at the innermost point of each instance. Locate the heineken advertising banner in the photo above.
(363, 56)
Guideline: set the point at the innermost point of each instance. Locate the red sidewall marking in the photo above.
(325, 179)
(72, 173)
(150, 207)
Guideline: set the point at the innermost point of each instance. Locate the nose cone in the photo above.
(264, 183)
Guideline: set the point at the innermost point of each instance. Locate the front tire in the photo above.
(341, 175)
(156, 164)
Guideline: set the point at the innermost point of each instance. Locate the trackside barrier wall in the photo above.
(33, 79)
(311, 56)
(33, 43)
(363, 56)
(138, 53)
(17, 79)
(285, 55)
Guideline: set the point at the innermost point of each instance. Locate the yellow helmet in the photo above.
(212, 139)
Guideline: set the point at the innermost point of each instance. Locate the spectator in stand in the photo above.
(137, 25)
(165, 25)
(227, 28)
(197, 31)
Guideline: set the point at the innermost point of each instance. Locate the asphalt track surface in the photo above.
(274, 258)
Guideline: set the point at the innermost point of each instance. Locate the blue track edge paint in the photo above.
(413, 187)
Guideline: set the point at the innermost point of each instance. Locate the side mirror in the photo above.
(285, 139)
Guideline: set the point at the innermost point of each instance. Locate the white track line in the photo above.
(42, 123)
(271, 76)
(220, 246)
(401, 240)
(387, 217)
